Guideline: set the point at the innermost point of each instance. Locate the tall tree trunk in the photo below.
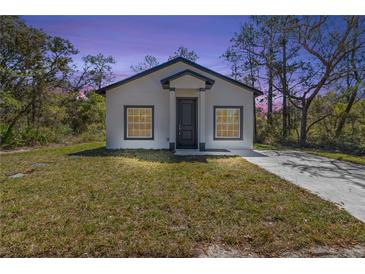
(345, 114)
(254, 119)
(254, 101)
(289, 123)
(8, 131)
(285, 91)
(269, 99)
(270, 80)
(303, 125)
(352, 69)
(33, 111)
(285, 118)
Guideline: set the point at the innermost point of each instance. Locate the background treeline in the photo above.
(311, 69)
(44, 96)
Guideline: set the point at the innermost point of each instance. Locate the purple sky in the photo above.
(130, 38)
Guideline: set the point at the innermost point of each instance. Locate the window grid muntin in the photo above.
(139, 122)
(227, 123)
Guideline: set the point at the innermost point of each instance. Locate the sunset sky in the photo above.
(129, 38)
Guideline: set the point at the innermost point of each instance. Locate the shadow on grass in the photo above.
(161, 156)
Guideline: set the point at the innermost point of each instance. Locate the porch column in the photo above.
(172, 127)
(202, 119)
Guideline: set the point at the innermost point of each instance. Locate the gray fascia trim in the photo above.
(171, 62)
(166, 81)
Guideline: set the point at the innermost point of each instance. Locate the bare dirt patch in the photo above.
(40, 164)
(223, 251)
(17, 175)
(356, 251)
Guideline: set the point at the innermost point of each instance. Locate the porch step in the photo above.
(186, 152)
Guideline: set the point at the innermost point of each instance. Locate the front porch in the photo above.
(247, 153)
(187, 120)
(198, 152)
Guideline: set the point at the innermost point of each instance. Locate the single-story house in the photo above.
(179, 104)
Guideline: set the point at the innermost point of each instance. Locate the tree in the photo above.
(324, 47)
(300, 57)
(100, 71)
(151, 61)
(184, 52)
(252, 52)
(31, 64)
(96, 71)
(267, 27)
(256, 45)
(82, 105)
(148, 62)
(234, 59)
(40, 86)
(286, 66)
(354, 64)
(244, 63)
(85, 111)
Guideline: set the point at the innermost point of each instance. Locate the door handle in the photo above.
(179, 129)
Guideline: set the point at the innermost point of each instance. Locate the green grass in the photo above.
(259, 146)
(328, 154)
(339, 156)
(139, 203)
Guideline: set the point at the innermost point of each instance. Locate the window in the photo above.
(227, 123)
(138, 122)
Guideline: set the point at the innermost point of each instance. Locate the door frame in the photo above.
(195, 99)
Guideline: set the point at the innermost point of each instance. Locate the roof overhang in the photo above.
(166, 82)
(174, 61)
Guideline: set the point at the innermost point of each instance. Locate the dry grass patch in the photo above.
(89, 202)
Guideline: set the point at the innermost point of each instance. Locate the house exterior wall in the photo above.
(187, 82)
(227, 94)
(147, 90)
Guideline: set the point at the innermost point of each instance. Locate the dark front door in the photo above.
(186, 123)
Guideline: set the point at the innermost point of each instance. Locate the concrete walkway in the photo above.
(337, 181)
(196, 152)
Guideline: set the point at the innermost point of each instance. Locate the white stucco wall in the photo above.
(148, 91)
(187, 82)
(227, 94)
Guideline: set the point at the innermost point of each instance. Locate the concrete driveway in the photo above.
(340, 182)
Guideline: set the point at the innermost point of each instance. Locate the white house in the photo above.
(179, 104)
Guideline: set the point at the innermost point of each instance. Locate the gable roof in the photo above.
(166, 81)
(174, 61)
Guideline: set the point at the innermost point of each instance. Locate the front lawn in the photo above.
(83, 201)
